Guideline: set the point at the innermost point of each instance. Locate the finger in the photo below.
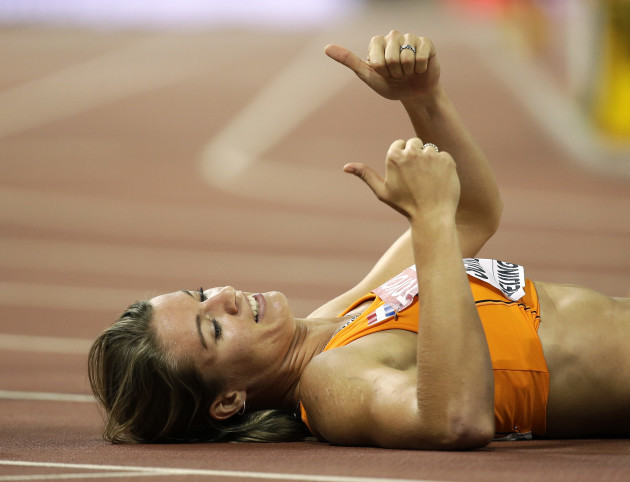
(425, 52)
(348, 59)
(400, 143)
(376, 55)
(414, 144)
(373, 179)
(407, 55)
(392, 56)
(395, 149)
(430, 147)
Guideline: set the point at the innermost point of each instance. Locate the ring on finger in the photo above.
(430, 144)
(407, 46)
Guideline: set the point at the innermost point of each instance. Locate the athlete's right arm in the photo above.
(450, 403)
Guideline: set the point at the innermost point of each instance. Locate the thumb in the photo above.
(373, 179)
(347, 58)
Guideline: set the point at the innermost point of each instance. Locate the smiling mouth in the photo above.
(254, 305)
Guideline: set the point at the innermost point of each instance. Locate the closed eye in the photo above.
(217, 329)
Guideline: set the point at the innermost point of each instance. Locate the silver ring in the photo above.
(430, 144)
(407, 46)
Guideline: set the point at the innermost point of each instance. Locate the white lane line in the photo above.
(45, 396)
(291, 96)
(202, 472)
(303, 86)
(95, 475)
(232, 161)
(46, 344)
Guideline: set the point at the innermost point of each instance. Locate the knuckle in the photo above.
(410, 38)
(408, 60)
(415, 140)
(392, 57)
(425, 42)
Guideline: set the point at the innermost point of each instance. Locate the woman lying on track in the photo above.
(448, 356)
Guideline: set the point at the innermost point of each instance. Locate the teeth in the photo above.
(253, 304)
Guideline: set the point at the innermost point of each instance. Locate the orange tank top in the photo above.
(521, 377)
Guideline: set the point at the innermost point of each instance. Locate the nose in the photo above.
(224, 298)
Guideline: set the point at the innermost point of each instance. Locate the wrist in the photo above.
(431, 235)
(426, 104)
(437, 219)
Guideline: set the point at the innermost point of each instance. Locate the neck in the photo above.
(310, 338)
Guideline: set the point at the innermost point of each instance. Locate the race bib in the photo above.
(398, 293)
(509, 278)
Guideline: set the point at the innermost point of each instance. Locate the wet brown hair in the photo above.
(149, 396)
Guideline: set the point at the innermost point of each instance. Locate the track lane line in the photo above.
(207, 472)
(98, 475)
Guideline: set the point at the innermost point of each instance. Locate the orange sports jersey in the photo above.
(521, 377)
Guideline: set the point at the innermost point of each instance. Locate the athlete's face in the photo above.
(239, 337)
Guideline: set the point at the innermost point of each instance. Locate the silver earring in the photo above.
(242, 409)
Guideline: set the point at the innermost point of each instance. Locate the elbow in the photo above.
(473, 425)
(472, 436)
(464, 434)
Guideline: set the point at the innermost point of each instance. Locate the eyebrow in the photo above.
(198, 322)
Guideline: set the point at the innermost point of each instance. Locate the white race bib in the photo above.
(509, 278)
(398, 293)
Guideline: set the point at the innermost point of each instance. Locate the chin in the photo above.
(279, 306)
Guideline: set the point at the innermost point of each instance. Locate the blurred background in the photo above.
(152, 145)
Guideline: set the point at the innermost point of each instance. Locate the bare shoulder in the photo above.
(352, 399)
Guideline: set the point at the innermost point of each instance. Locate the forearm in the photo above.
(455, 383)
(436, 120)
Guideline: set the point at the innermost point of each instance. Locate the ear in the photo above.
(227, 404)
